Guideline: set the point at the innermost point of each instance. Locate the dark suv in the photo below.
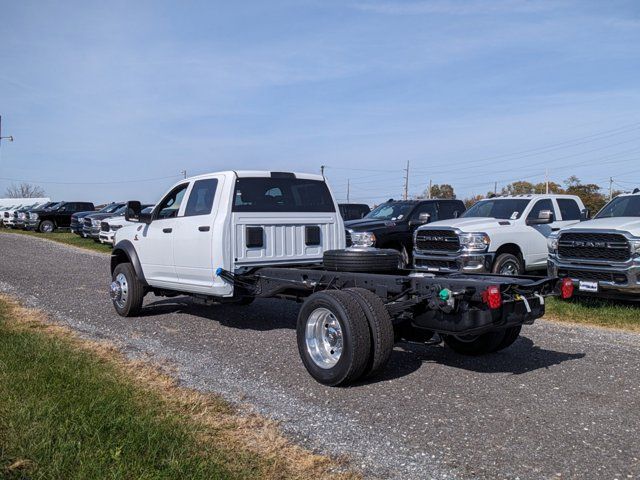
(48, 220)
(391, 224)
(353, 211)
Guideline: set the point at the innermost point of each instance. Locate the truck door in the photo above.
(538, 252)
(156, 240)
(197, 243)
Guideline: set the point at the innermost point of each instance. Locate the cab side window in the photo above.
(541, 205)
(201, 197)
(569, 209)
(429, 208)
(170, 204)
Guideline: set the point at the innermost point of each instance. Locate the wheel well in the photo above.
(511, 248)
(118, 257)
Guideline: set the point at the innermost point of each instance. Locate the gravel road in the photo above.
(563, 401)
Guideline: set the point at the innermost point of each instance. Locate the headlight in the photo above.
(95, 223)
(552, 243)
(363, 239)
(475, 242)
(33, 216)
(116, 227)
(635, 245)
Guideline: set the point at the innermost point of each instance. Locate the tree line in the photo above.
(590, 193)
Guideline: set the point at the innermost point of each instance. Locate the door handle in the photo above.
(205, 228)
(167, 230)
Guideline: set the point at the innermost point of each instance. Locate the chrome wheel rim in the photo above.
(509, 268)
(47, 228)
(323, 338)
(119, 290)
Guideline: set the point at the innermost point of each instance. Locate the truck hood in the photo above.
(473, 224)
(99, 216)
(368, 224)
(627, 224)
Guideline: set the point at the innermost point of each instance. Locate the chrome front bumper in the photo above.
(454, 262)
(624, 277)
(106, 237)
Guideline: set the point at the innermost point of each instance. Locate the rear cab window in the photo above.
(269, 194)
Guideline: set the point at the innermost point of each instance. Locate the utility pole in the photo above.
(322, 170)
(348, 190)
(10, 137)
(406, 182)
(430, 188)
(495, 188)
(610, 188)
(184, 173)
(546, 180)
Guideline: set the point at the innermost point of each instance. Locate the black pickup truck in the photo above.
(48, 220)
(393, 223)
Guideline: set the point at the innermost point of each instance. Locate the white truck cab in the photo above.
(505, 235)
(232, 220)
(603, 254)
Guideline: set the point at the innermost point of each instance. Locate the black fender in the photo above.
(125, 252)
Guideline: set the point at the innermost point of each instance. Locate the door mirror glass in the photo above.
(585, 214)
(133, 213)
(544, 217)
(424, 218)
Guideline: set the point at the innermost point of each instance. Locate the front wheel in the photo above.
(46, 226)
(507, 264)
(333, 337)
(127, 292)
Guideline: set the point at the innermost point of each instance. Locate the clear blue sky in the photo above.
(125, 91)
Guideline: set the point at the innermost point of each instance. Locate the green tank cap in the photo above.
(444, 294)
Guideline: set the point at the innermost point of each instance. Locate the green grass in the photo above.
(67, 238)
(592, 311)
(68, 413)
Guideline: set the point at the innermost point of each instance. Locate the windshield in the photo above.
(628, 206)
(506, 209)
(391, 211)
(111, 208)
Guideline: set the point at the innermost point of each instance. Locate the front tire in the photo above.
(507, 264)
(127, 292)
(47, 226)
(333, 337)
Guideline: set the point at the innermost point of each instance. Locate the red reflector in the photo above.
(492, 297)
(567, 288)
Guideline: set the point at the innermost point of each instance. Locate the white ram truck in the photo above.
(506, 235)
(235, 236)
(602, 255)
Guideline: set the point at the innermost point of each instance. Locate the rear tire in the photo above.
(511, 334)
(474, 345)
(365, 260)
(46, 226)
(333, 337)
(507, 264)
(380, 329)
(129, 302)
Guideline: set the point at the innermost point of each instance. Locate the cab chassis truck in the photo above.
(356, 303)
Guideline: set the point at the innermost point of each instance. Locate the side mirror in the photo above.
(544, 217)
(133, 213)
(424, 217)
(585, 214)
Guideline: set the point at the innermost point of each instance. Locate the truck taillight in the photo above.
(567, 288)
(492, 297)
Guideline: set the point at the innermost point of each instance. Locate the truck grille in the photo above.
(87, 222)
(593, 275)
(431, 263)
(439, 240)
(594, 246)
(6, 214)
(104, 227)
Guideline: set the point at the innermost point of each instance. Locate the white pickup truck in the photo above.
(235, 236)
(506, 235)
(603, 254)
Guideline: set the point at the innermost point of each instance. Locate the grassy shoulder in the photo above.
(77, 409)
(591, 311)
(67, 238)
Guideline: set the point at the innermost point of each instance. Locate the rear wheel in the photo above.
(46, 226)
(127, 292)
(511, 334)
(507, 264)
(333, 337)
(475, 344)
(380, 329)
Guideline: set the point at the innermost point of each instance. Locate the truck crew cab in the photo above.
(235, 236)
(602, 255)
(503, 235)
